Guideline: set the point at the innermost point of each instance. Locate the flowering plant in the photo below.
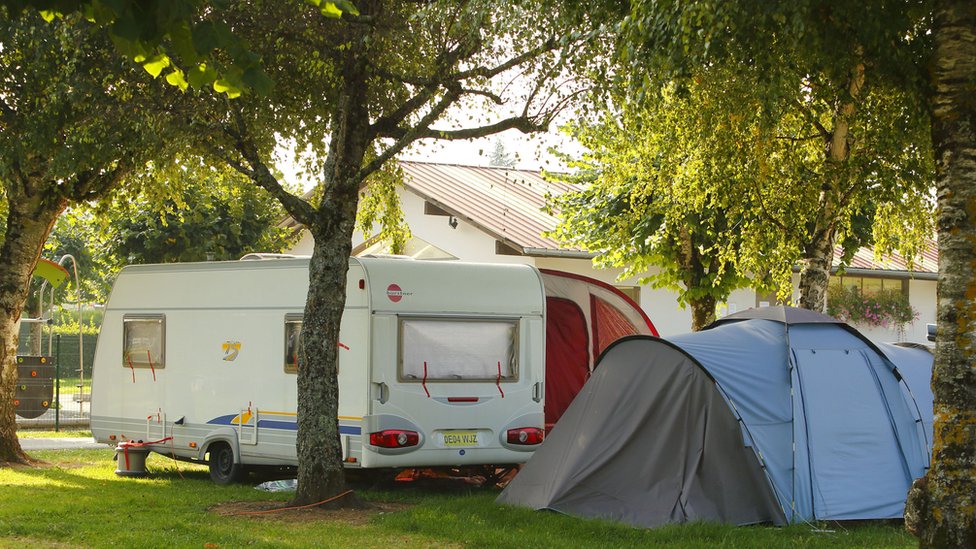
(884, 309)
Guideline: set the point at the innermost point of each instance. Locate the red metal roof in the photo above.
(864, 259)
(504, 202)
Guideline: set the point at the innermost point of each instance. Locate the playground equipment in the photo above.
(37, 371)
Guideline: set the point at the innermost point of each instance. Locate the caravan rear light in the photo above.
(526, 436)
(394, 438)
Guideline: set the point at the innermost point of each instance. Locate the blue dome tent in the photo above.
(771, 415)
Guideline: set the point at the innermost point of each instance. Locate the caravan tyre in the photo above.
(223, 469)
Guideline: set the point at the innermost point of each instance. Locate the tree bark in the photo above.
(29, 222)
(820, 251)
(702, 312)
(320, 467)
(816, 271)
(694, 275)
(941, 507)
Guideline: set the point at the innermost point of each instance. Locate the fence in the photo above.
(59, 396)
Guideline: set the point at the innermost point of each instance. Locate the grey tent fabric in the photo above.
(646, 443)
(779, 313)
(816, 424)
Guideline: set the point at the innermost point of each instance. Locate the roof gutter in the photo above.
(904, 275)
(886, 273)
(549, 252)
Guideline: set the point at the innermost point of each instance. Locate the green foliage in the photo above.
(780, 39)
(71, 111)
(214, 219)
(77, 233)
(821, 107)
(189, 38)
(648, 202)
(380, 205)
(66, 320)
(882, 309)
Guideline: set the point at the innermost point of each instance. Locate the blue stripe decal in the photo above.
(350, 430)
(223, 420)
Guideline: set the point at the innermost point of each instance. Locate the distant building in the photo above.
(497, 215)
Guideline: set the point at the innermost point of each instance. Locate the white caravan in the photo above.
(440, 363)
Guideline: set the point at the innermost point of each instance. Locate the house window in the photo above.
(293, 342)
(143, 341)
(458, 349)
(869, 285)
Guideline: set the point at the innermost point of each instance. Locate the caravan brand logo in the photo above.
(395, 293)
(231, 350)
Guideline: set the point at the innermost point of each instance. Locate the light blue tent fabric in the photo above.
(914, 363)
(832, 424)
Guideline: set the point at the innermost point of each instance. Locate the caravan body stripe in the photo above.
(235, 419)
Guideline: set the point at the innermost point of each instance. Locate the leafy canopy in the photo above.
(188, 40)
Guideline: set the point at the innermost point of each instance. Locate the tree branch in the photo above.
(824, 133)
(522, 123)
(385, 124)
(419, 81)
(799, 139)
(89, 185)
(302, 211)
(406, 136)
(7, 113)
(486, 72)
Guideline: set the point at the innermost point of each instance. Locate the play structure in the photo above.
(774, 415)
(36, 390)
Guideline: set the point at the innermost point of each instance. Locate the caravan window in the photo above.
(293, 341)
(143, 341)
(458, 349)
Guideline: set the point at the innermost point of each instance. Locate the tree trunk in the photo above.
(816, 271)
(820, 250)
(28, 224)
(941, 508)
(702, 312)
(320, 467)
(694, 276)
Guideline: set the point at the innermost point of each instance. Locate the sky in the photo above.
(531, 152)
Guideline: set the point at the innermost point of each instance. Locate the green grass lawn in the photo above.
(77, 501)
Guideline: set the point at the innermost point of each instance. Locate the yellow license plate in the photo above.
(456, 439)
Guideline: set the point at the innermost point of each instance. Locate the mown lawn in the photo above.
(77, 501)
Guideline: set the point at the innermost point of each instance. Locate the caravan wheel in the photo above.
(223, 469)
